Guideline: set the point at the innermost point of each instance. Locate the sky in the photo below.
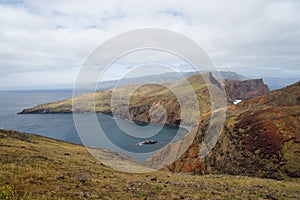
(43, 44)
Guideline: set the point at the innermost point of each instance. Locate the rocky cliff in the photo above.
(247, 89)
(261, 137)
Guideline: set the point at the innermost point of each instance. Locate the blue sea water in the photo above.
(62, 126)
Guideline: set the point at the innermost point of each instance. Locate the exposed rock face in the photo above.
(245, 89)
(172, 152)
(261, 137)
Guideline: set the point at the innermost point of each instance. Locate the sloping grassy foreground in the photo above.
(35, 167)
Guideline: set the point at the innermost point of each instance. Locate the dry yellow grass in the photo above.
(35, 167)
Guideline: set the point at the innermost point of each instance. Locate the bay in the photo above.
(62, 126)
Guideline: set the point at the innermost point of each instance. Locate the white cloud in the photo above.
(47, 37)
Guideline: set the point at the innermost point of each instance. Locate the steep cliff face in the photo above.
(245, 89)
(261, 137)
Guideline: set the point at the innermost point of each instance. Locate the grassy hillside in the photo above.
(35, 167)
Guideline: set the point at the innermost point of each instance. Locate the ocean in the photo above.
(62, 126)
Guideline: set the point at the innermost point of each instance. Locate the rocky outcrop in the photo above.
(245, 89)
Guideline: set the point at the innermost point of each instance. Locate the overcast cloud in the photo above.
(44, 43)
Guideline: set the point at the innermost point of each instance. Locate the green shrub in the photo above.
(158, 188)
(6, 193)
(141, 195)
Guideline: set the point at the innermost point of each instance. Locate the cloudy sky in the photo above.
(44, 43)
